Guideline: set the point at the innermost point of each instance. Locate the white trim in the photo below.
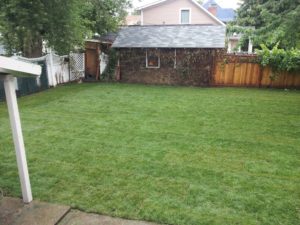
(152, 67)
(208, 13)
(194, 1)
(142, 17)
(190, 15)
(150, 4)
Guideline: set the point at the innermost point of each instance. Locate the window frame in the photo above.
(190, 15)
(153, 67)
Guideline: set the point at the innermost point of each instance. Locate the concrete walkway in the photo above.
(14, 212)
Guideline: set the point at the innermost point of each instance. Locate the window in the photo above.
(152, 59)
(185, 16)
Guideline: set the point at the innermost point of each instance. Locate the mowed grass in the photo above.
(174, 155)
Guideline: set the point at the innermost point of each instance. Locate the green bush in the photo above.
(279, 60)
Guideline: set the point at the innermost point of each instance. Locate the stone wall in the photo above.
(193, 67)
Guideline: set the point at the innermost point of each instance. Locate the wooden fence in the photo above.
(244, 71)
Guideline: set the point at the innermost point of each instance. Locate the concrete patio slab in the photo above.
(14, 212)
(75, 217)
(8, 208)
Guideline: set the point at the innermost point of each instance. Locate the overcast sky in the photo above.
(222, 3)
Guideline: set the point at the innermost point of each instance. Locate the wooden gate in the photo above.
(92, 63)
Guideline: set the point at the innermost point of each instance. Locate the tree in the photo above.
(105, 15)
(274, 21)
(26, 24)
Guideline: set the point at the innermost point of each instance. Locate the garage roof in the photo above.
(171, 36)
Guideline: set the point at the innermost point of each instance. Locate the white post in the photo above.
(142, 18)
(52, 74)
(15, 123)
(250, 46)
(229, 46)
(240, 49)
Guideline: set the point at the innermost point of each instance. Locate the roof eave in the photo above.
(150, 4)
(208, 13)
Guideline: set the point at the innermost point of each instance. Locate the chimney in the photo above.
(213, 9)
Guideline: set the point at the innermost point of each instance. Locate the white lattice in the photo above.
(76, 66)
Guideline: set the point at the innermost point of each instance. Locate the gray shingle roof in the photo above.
(171, 36)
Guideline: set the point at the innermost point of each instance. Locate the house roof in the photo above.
(171, 36)
(194, 1)
(107, 38)
(223, 14)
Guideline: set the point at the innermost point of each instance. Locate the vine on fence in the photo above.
(279, 60)
(108, 73)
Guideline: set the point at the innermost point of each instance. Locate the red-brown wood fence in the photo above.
(239, 72)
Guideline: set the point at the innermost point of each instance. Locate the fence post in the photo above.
(260, 75)
(51, 69)
(69, 66)
(250, 46)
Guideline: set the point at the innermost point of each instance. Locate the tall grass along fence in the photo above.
(55, 70)
(245, 71)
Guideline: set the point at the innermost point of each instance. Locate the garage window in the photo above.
(152, 59)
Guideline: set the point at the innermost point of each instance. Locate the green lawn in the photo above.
(174, 155)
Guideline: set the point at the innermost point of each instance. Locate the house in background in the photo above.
(171, 12)
(169, 54)
(179, 12)
(227, 15)
(224, 14)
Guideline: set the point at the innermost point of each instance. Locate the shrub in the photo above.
(108, 73)
(279, 60)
